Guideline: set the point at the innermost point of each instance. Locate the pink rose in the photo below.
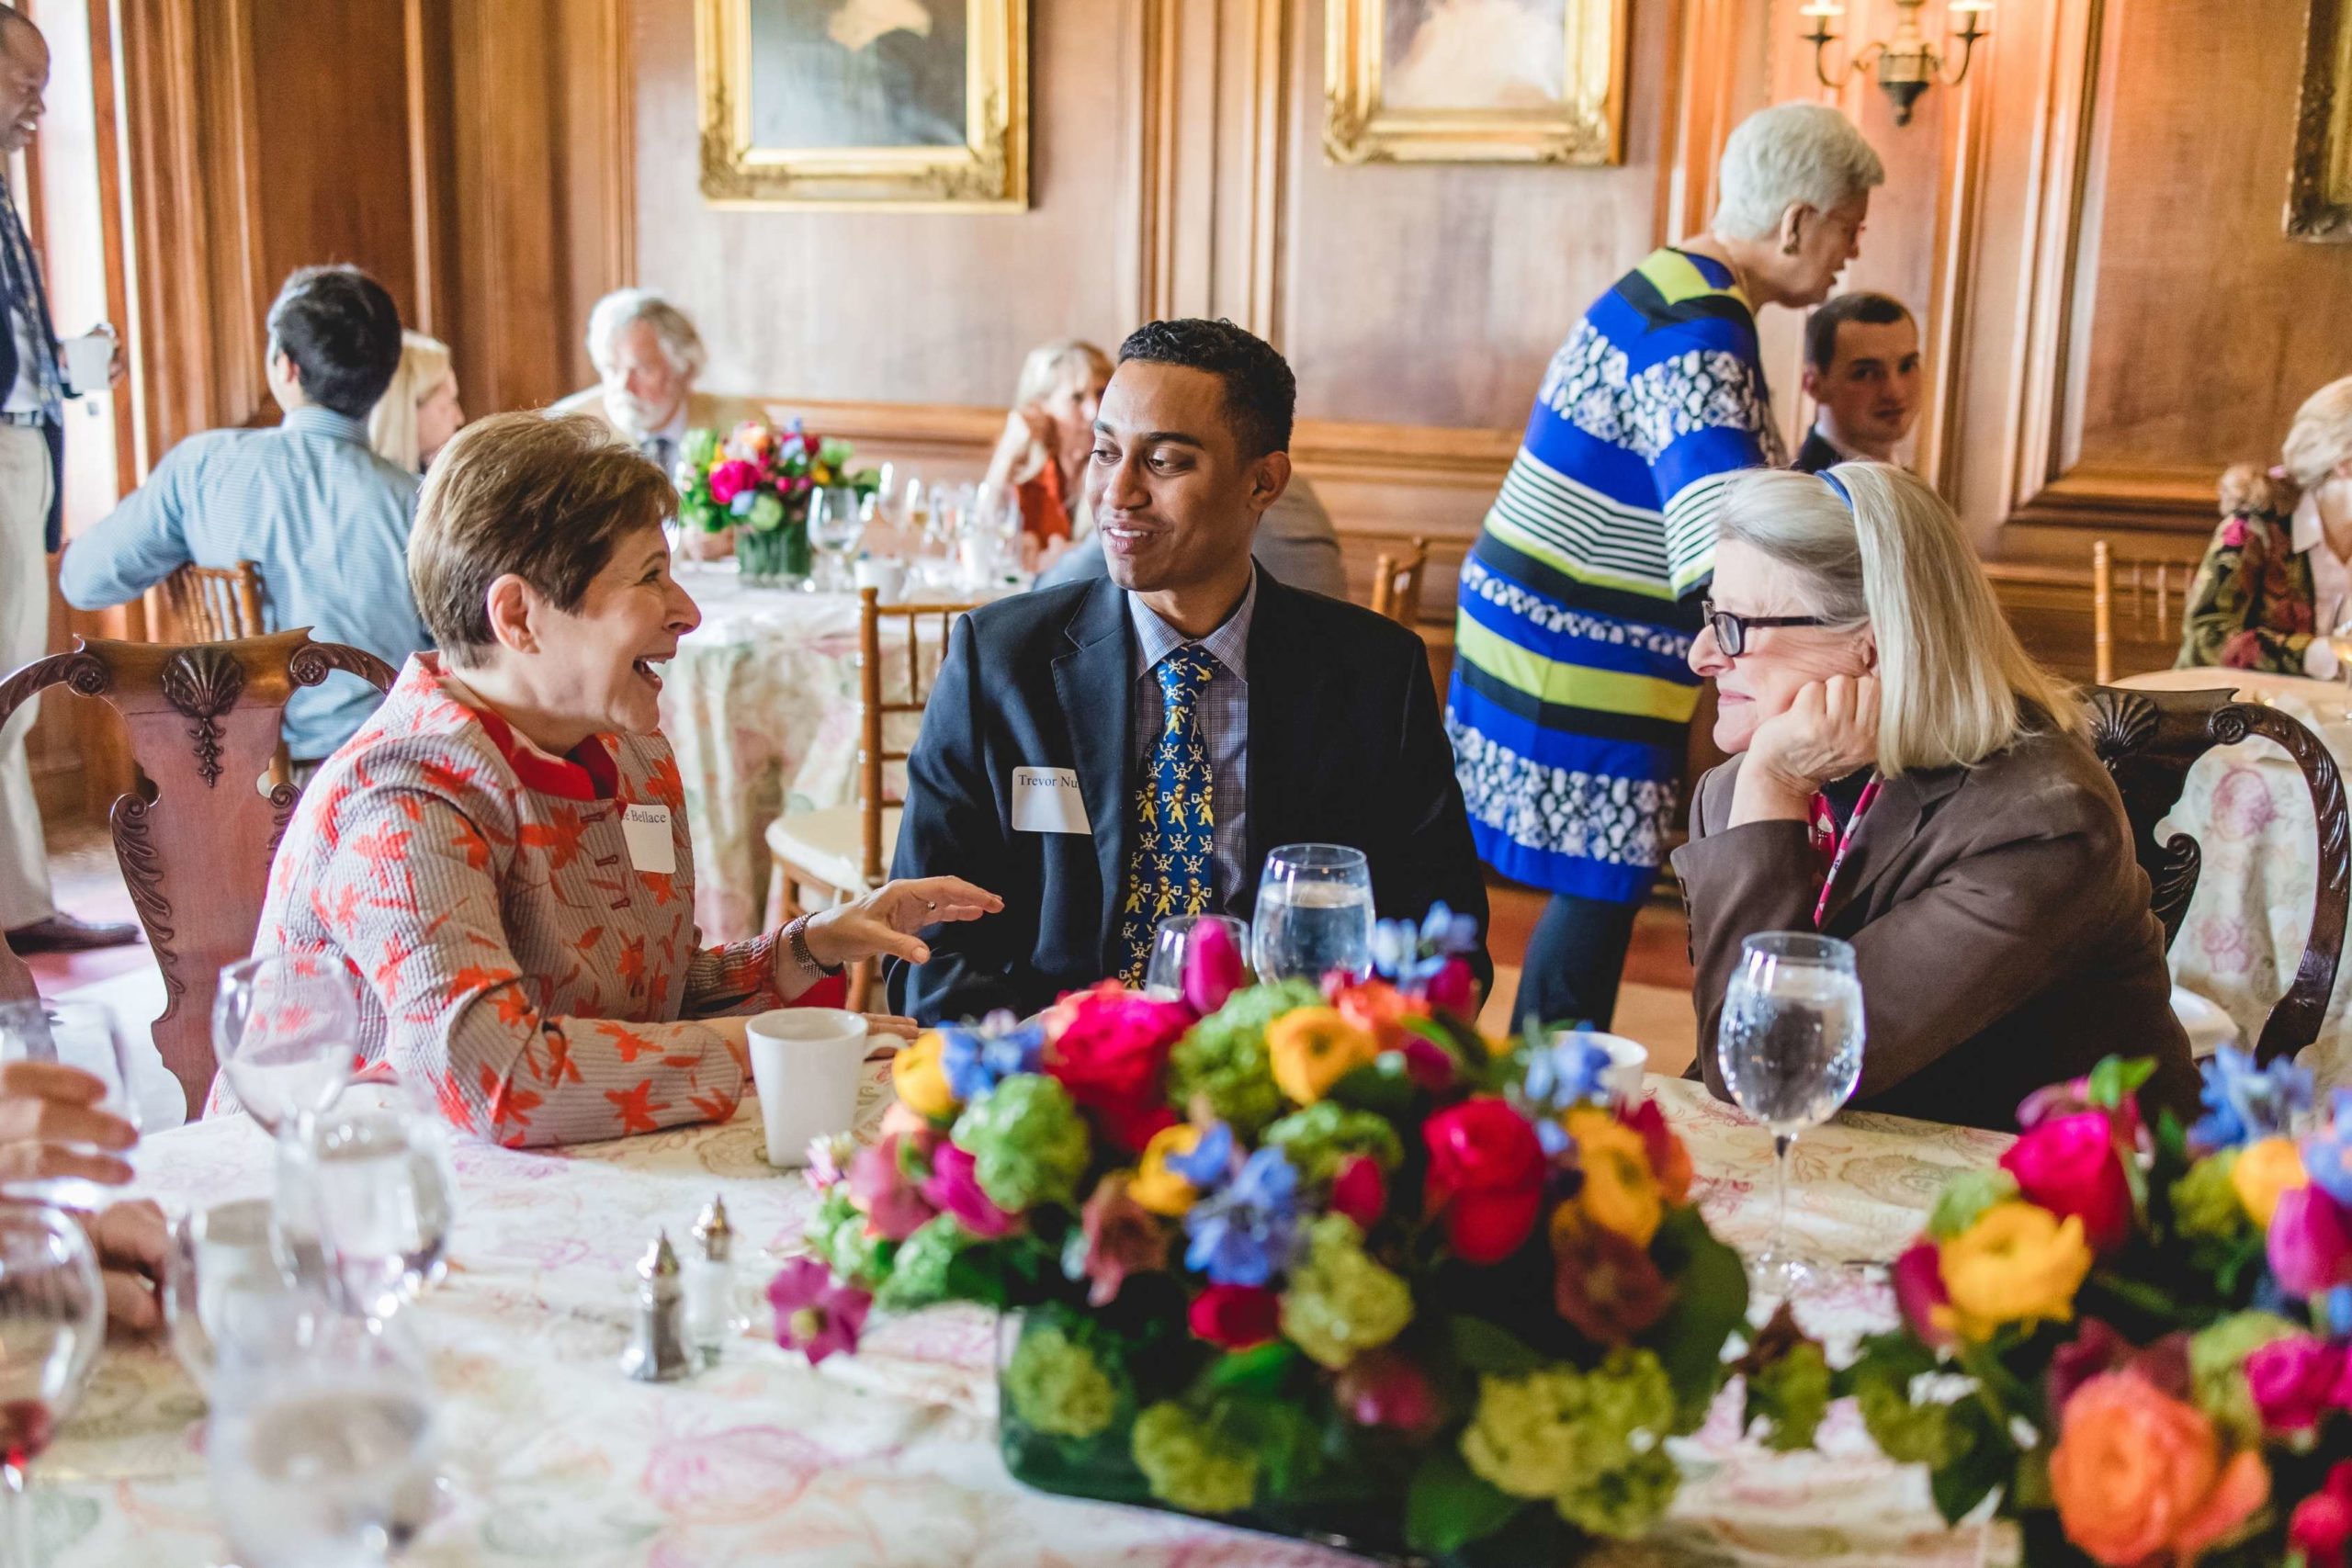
(894, 1206)
(2068, 1165)
(2310, 1243)
(1235, 1317)
(1111, 1054)
(1919, 1291)
(1360, 1190)
(956, 1191)
(1381, 1388)
(2294, 1382)
(731, 479)
(1212, 968)
(2321, 1525)
(1485, 1176)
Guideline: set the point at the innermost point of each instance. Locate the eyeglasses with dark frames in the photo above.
(1731, 630)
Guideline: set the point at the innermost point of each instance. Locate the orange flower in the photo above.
(2139, 1477)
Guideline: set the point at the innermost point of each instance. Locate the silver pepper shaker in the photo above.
(657, 1350)
(711, 1316)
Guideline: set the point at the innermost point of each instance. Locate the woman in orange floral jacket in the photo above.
(500, 852)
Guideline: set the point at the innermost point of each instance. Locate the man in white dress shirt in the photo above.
(647, 356)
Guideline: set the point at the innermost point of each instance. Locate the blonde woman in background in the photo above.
(1041, 454)
(419, 411)
(1904, 777)
(2278, 577)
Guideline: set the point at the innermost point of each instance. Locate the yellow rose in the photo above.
(2018, 1263)
(919, 1081)
(2263, 1171)
(1313, 1048)
(1155, 1186)
(1620, 1192)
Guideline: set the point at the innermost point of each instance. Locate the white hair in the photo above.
(1788, 155)
(1955, 685)
(2321, 437)
(623, 308)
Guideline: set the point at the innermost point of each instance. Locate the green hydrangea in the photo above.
(1319, 1139)
(2217, 1369)
(2205, 1206)
(1791, 1396)
(1547, 1433)
(1223, 1057)
(1908, 1433)
(1625, 1502)
(1191, 1466)
(837, 1235)
(1027, 1142)
(919, 1271)
(1966, 1196)
(1340, 1303)
(1057, 1386)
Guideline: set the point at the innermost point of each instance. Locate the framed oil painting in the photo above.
(1475, 81)
(2319, 198)
(864, 103)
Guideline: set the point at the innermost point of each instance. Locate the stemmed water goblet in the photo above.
(84, 1036)
(1314, 914)
(52, 1322)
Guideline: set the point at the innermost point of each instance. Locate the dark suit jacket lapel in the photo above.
(1890, 825)
(1095, 682)
(1285, 680)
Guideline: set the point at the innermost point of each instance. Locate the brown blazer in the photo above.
(2000, 925)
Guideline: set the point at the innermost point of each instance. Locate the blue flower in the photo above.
(1205, 1168)
(2328, 1155)
(1413, 955)
(2245, 1102)
(976, 1058)
(1566, 1071)
(1243, 1234)
(2339, 1311)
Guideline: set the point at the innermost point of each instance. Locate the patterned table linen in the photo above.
(889, 1458)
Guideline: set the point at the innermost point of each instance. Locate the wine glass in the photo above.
(286, 1030)
(52, 1321)
(834, 526)
(384, 1192)
(2339, 642)
(1314, 915)
(1791, 1047)
(1171, 951)
(323, 1445)
(75, 1035)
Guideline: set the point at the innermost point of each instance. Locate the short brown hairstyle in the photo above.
(1870, 309)
(546, 499)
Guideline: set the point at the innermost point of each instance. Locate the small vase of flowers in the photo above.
(756, 484)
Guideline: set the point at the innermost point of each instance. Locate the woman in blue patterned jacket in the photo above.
(1572, 694)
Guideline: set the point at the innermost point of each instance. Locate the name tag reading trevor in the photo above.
(1045, 800)
(651, 848)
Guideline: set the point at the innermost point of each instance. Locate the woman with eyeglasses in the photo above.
(1903, 776)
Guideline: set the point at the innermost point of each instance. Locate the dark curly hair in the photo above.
(1260, 393)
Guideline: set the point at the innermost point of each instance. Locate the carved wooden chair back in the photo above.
(203, 719)
(2149, 740)
(214, 604)
(1396, 583)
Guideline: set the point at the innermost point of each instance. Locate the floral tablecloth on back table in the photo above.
(889, 1458)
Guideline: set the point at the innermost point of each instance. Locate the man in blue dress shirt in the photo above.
(311, 503)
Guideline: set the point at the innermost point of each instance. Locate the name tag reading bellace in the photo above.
(651, 848)
(1046, 800)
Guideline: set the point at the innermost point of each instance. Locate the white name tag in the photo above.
(650, 847)
(1045, 800)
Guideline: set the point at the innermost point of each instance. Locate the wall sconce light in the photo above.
(1907, 65)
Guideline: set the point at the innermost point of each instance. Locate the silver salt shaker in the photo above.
(657, 1349)
(711, 1316)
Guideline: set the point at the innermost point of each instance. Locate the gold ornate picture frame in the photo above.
(864, 103)
(1397, 88)
(2319, 199)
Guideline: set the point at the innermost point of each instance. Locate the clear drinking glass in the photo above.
(1314, 914)
(221, 1282)
(75, 1035)
(1791, 1047)
(2339, 642)
(385, 1201)
(322, 1444)
(52, 1322)
(834, 526)
(1171, 951)
(285, 1033)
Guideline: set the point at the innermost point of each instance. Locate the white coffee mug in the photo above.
(89, 361)
(805, 1064)
(884, 575)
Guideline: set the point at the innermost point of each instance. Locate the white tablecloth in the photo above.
(888, 1458)
(2250, 812)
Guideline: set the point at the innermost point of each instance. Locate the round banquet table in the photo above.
(2250, 812)
(889, 1457)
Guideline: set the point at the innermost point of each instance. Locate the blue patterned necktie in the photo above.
(25, 293)
(1171, 865)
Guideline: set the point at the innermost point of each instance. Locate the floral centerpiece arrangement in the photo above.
(2153, 1328)
(756, 483)
(1312, 1259)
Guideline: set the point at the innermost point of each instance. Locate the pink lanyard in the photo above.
(1832, 845)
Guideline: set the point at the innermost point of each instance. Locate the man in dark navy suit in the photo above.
(32, 445)
(1106, 753)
